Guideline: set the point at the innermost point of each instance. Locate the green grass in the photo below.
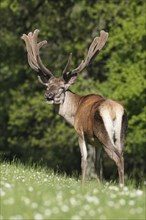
(39, 194)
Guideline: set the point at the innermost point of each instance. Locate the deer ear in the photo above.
(69, 79)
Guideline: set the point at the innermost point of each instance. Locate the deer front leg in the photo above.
(83, 150)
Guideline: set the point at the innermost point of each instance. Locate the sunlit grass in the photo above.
(37, 193)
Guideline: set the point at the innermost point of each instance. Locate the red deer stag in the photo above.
(95, 119)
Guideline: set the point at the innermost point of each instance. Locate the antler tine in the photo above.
(30, 56)
(66, 69)
(33, 48)
(95, 47)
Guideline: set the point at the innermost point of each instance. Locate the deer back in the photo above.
(84, 118)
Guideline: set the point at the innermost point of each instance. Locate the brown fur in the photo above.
(84, 117)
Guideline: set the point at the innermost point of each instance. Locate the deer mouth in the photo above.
(49, 100)
(53, 101)
(56, 101)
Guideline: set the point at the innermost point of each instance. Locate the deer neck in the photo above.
(69, 107)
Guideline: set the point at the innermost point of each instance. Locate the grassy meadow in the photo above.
(37, 193)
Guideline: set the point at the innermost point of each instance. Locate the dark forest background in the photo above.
(30, 130)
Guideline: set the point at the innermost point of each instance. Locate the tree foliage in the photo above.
(30, 129)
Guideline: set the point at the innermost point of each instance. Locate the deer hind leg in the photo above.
(117, 158)
(91, 159)
(123, 129)
(83, 150)
(94, 162)
(103, 130)
(117, 123)
(98, 163)
(119, 161)
(120, 126)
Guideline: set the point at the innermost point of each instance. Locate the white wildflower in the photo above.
(55, 210)
(76, 217)
(92, 213)
(131, 202)
(92, 199)
(82, 213)
(2, 182)
(100, 209)
(25, 200)
(48, 212)
(73, 201)
(121, 185)
(7, 185)
(95, 200)
(95, 191)
(126, 193)
(2, 193)
(139, 192)
(86, 207)
(38, 216)
(88, 198)
(102, 217)
(115, 188)
(132, 194)
(122, 202)
(34, 205)
(30, 189)
(59, 195)
(65, 208)
(111, 204)
(125, 188)
(113, 196)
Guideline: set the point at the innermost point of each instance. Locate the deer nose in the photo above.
(49, 95)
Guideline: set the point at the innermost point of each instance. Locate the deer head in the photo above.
(56, 87)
